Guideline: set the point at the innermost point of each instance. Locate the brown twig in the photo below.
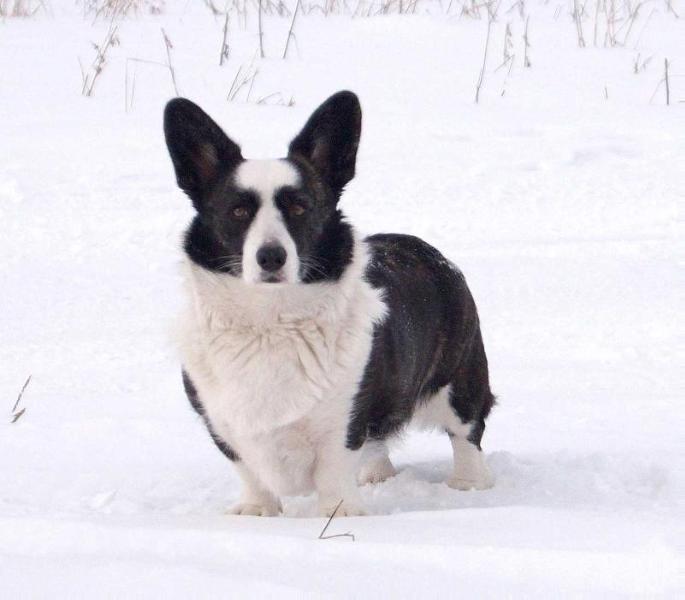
(290, 31)
(224, 43)
(579, 25)
(241, 79)
(17, 415)
(128, 96)
(261, 32)
(665, 80)
(325, 527)
(89, 79)
(669, 7)
(491, 18)
(526, 45)
(169, 46)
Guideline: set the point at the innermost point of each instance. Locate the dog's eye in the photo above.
(296, 210)
(240, 212)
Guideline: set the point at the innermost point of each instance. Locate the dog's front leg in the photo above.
(255, 499)
(335, 478)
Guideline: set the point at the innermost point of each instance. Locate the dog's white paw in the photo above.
(482, 481)
(268, 509)
(375, 471)
(347, 509)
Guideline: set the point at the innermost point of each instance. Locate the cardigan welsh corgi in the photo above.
(305, 347)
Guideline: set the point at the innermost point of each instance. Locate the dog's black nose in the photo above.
(271, 258)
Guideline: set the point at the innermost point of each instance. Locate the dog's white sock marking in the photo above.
(470, 471)
(334, 478)
(255, 499)
(376, 465)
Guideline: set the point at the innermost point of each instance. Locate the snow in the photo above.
(560, 205)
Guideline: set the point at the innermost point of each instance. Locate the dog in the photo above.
(305, 347)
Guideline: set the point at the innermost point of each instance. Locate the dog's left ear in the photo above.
(330, 138)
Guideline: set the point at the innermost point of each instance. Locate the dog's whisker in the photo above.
(230, 261)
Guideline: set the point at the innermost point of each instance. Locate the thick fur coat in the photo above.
(305, 347)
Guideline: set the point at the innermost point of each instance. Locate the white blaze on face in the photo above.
(264, 177)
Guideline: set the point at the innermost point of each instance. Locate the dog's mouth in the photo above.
(271, 278)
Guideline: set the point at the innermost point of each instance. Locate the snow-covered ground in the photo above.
(558, 197)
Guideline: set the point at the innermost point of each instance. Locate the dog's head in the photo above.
(267, 221)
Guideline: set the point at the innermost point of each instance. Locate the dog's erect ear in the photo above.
(330, 138)
(199, 149)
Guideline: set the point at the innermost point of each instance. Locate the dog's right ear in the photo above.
(199, 149)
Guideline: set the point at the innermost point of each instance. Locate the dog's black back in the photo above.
(431, 338)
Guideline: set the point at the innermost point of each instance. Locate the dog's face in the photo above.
(267, 221)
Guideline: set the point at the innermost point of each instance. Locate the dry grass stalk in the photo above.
(325, 527)
(16, 415)
(508, 45)
(244, 77)
(665, 80)
(632, 18)
(492, 13)
(169, 47)
(639, 65)
(290, 31)
(21, 8)
(577, 15)
(223, 55)
(89, 78)
(276, 99)
(526, 45)
(261, 31)
(112, 8)
(210, 5)
(130, 80)
(669, 8)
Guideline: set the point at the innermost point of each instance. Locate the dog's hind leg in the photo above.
(376, 465)
(470, 470)
(470, 401)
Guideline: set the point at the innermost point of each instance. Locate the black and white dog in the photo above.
(305, 347)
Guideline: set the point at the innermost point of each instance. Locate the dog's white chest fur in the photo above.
(277, 367)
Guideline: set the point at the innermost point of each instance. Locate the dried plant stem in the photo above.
(17, 415)
(632, 18)
(485, 55)
(244, 76)
(669, 8)
(169, 46)
(261, 31)
(665, 80)
(526, 45)
(325, 527)
(98, 65)
(290, 31)
(128, 95)
(223, 55)
(579, 24)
